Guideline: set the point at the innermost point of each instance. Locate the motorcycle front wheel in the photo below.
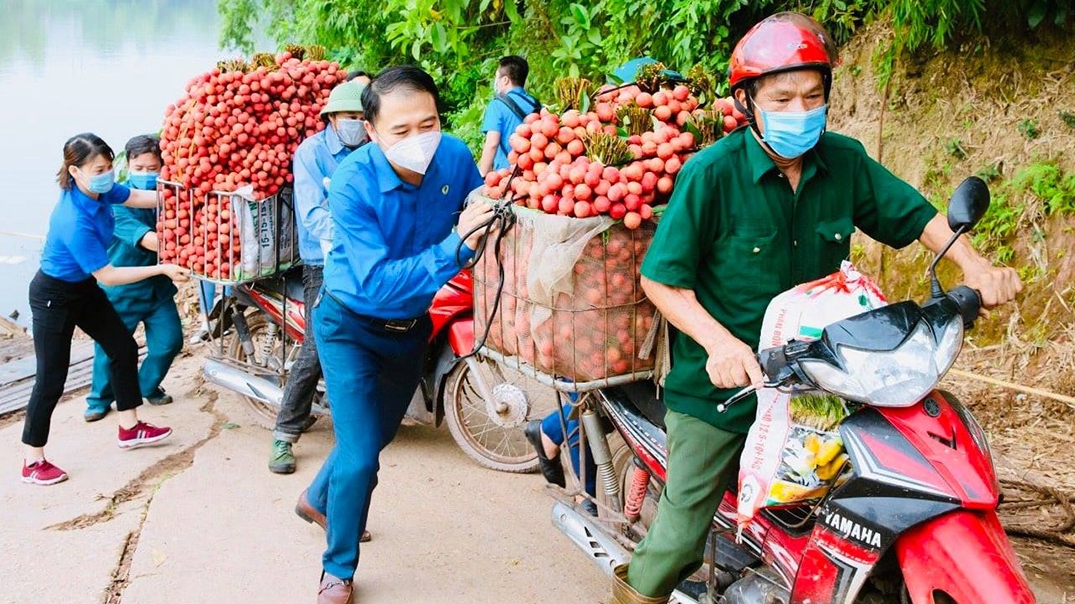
(268, 341)
(491, 432)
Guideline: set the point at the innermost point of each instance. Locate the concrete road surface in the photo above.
(199, 519)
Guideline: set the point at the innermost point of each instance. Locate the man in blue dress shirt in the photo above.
(508, 109)
(315, 161)
(398, 211)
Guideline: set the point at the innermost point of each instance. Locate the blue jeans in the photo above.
(164, 340)
(206, 296)
(370, 376)
(552, 428)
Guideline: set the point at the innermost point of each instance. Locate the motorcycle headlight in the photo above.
(895, 378)
(949, 343)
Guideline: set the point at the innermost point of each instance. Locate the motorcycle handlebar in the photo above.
(738, 396)
(771, 367)
(778, 369)
(968, 301)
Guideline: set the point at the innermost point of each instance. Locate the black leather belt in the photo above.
(389, 325)
(393, 325)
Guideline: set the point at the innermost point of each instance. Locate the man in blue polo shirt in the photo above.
(394, 205)
(315, 162)
(507, 110)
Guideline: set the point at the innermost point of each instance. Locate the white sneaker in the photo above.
(201, 335)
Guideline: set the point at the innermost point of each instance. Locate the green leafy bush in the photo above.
(1038, 190)
(459, 41)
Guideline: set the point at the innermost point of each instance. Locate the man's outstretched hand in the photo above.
(477, 213)
(996, 284)
(732, 364)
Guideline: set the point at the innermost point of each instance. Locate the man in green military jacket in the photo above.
(150, 302)
(766, 208)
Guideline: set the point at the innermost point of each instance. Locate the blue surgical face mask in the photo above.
(101, 183)
(351, 133)
(146, 181)
(791, 133)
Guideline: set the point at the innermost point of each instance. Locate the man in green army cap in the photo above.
(315, 161)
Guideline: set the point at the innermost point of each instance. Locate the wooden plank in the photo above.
(26, 367)
(10, 328)
(16, 395)
(16, 370)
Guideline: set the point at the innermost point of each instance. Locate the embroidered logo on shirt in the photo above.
(444, 190)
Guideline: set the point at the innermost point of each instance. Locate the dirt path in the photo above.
(201, 520)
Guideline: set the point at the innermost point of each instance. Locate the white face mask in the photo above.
(415, 152)
(351, 133)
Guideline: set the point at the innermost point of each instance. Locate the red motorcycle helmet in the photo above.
(782, 42)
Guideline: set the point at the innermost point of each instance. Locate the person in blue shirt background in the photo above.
(507, 110)
(64, 294)
(150, 302)
(394, 205)
(315, 161)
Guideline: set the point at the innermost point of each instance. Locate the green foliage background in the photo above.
(459, 41)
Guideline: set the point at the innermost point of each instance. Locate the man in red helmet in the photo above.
(768, 207)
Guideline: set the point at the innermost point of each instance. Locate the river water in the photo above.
(68, 66)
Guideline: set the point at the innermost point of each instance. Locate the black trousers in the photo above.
(306, 371)
(58, 307)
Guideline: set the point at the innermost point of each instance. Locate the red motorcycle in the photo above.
(913, 518)
(485, 404)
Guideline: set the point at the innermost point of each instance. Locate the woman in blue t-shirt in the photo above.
(65, 294)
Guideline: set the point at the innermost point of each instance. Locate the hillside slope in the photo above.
(1007, 113)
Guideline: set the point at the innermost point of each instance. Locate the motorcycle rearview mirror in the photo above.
(966, 207)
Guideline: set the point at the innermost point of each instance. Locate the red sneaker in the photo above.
(42, 473)
(142, 434)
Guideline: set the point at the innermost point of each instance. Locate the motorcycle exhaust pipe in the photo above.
(599, 546)
(580, 528)
(237, 380)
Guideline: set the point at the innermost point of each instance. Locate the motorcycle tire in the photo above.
(624, 465)
(257, 323)
(488, 440)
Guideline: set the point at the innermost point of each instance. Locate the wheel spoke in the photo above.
(478, 435)
(484, 437)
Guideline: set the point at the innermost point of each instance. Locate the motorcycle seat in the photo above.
(643, 395)
(288, 284)
(293, 285)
